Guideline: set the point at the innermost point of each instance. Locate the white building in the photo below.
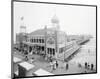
(49, 41)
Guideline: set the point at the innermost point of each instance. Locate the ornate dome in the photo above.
(55, 19)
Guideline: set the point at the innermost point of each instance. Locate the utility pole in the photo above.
(23, 36)
(45, 40)
(56, 43)
(65, 46)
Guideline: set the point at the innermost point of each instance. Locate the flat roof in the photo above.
(27, 65)
(16, 59)
(42, 72)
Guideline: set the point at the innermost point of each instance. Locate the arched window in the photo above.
(39, 40)
(34, 40)
(53, 51)
(42, 40)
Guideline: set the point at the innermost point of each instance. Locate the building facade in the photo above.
(49, 41)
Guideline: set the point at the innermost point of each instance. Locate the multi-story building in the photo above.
(49, 41)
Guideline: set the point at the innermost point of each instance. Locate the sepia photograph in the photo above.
(51, 39)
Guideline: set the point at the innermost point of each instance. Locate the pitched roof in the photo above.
(41, 31)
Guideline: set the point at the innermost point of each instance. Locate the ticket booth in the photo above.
(23, 68)
(16, 60)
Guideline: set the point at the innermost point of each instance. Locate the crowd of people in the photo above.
(54, 63)
(89, 66)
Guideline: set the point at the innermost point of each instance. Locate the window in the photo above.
(39, 40)
(42, 40)
(34, 40)
(29, 40)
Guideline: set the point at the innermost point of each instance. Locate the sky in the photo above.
(72, 19)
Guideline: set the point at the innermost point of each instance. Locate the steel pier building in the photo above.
(49, 41)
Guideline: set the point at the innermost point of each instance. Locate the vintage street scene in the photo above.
(52, 39)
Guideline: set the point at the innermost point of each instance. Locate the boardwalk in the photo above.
(41, 63)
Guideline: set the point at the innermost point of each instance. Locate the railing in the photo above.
(69, 52)
(80, 41)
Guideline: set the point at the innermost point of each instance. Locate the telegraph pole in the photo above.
(65, 47)
(56, 40)
(45, 40)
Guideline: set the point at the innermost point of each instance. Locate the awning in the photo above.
(32, 44)
(42, 72)
(16, 60)
(26, 65)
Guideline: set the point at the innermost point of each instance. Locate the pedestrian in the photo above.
(92, 66)
(50, 59)
(66, 66)
(85, 64)
(52, 66)
(26, 58)
(56, 64)
(85, 71)
(32, 60)
(88, 66)
(79, 65)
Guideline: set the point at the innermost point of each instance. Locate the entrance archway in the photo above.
(51, 51)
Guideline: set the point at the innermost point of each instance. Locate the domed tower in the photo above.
(55, 22)
(22, 27)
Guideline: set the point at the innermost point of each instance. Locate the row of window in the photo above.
(51, 51)
(37, 40)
